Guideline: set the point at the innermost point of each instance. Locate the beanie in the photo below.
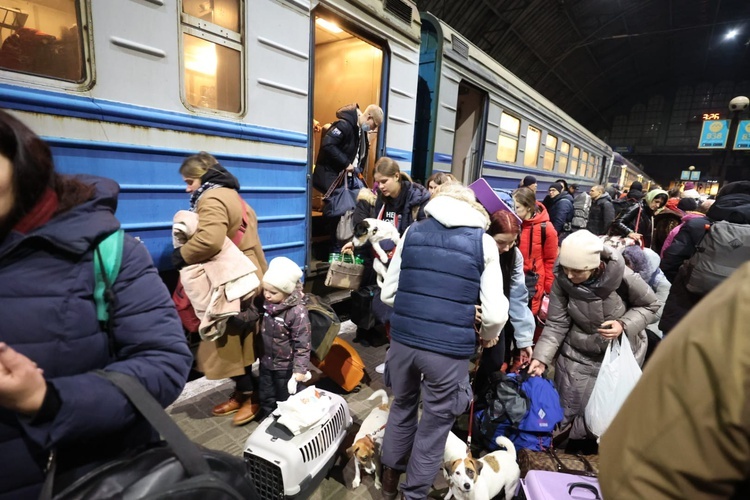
(636, 186)
(689, 185)
(283, 274)
(687, 204)
(581, 251)
(528, 181)
(556, 185)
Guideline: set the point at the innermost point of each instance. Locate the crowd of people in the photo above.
(458, 278)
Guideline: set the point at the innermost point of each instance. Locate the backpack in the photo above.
(620, 206)
(581, 207)
(324, 325)
(107, 262)
(725, 246)
(510, 394)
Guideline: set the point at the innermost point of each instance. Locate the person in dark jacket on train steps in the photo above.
(560, 208)
(51, 341)
(442, 266)
(602, 213)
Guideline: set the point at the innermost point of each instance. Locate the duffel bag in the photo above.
(175, 468)
(555, 461)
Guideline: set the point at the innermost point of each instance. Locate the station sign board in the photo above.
(742, 139)
(714, 134)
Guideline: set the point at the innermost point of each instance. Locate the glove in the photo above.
(177, 261)
(291, 386)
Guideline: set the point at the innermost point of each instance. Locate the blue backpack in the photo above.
(534, 430)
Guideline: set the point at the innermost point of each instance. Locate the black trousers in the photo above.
(272, 388)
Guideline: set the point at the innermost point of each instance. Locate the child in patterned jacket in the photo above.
(286, 334)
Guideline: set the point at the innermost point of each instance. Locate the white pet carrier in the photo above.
(285, 466)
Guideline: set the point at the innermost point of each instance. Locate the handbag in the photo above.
(339, 198)
(185, 310)
(617, 242)
(345, 227)
(174, 468)
(553, 460)
(346, 275)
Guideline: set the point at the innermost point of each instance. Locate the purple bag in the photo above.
(546, 485)
(489, 199)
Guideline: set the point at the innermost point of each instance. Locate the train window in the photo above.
(562, 165)
(507, 143)
(574, 160)
(549, 154)
(584, 163)
(533, 140)
(212, 54)
(43, 38)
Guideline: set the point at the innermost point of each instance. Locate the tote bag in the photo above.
(617, 377)
(339, 198)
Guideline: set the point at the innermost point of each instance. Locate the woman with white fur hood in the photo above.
(441, 266)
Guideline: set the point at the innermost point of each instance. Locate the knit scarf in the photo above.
(206, 186)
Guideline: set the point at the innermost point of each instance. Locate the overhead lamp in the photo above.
(731, 34)
(329, 26)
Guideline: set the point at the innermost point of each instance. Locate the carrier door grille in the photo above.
(460, 47)
(267, 477)
(327, 435)
(399, 9)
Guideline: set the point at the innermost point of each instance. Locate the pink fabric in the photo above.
(673, 232)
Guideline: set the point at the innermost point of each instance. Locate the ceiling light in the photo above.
(328, 26)
(731, 34)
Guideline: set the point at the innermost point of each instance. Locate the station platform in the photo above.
(192, 412)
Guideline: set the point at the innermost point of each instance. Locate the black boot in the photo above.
(390, 478)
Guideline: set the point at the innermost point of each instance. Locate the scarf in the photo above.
(206, 186)
(42, 212)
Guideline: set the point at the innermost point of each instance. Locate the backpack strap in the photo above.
(107, 262)
(544, 234)
(240, 233)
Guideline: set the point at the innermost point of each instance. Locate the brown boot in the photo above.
(390, 478)
(230, 406)
(247, 412)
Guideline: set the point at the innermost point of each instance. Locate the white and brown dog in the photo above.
(375, 231)
(484, 478)
(369, 439)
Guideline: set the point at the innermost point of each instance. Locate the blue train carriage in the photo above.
(624, 172)
(475, 118)
(128, 89)
(365, 51)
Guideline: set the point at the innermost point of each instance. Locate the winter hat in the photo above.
(283, 274)
(689, 185)
(687, 205)
(528, 181)
(636, 186)
(556, 185)
(581, 251)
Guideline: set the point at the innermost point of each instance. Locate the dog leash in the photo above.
(372, 434)
(471, 405)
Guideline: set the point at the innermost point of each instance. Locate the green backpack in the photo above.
(107, 262)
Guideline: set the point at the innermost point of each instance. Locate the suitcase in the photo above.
(546, 485)
(361, 312)
(343, 365)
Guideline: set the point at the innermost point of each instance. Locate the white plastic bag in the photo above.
(617, 377)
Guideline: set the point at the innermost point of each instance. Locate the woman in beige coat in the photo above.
(220, 208)
(595, 298)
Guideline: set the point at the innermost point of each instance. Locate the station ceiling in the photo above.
(596, 58)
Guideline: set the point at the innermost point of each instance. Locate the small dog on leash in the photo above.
(375, 231)
(369, 439)
(484, 478)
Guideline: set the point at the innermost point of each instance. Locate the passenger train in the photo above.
(127, 89)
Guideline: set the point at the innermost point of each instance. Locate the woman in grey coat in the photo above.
(594, 299)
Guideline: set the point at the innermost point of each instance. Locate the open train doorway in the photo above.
(347, 68)
(468, 144)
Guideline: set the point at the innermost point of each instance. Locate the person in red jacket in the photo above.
(538, 245)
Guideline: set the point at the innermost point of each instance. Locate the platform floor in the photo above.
(192, 412)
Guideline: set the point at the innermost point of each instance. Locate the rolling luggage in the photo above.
(343, 365)
(546, 485)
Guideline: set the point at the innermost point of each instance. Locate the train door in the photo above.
(347, 67)
(470, 130)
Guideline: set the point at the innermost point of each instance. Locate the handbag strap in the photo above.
(240, 233)
(335, 184)
(185, 450)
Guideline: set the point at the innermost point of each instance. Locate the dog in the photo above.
(375, 231)
(484, 478)
(369, 439)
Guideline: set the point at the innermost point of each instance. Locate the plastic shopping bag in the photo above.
(617, 377)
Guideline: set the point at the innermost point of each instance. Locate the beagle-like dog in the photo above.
(369, 439)
(484, 478)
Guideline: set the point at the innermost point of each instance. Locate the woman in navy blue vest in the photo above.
(441, 266)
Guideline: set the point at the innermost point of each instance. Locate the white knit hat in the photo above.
(581, 251)
(283, 274)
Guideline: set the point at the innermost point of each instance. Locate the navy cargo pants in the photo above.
(446, 394)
